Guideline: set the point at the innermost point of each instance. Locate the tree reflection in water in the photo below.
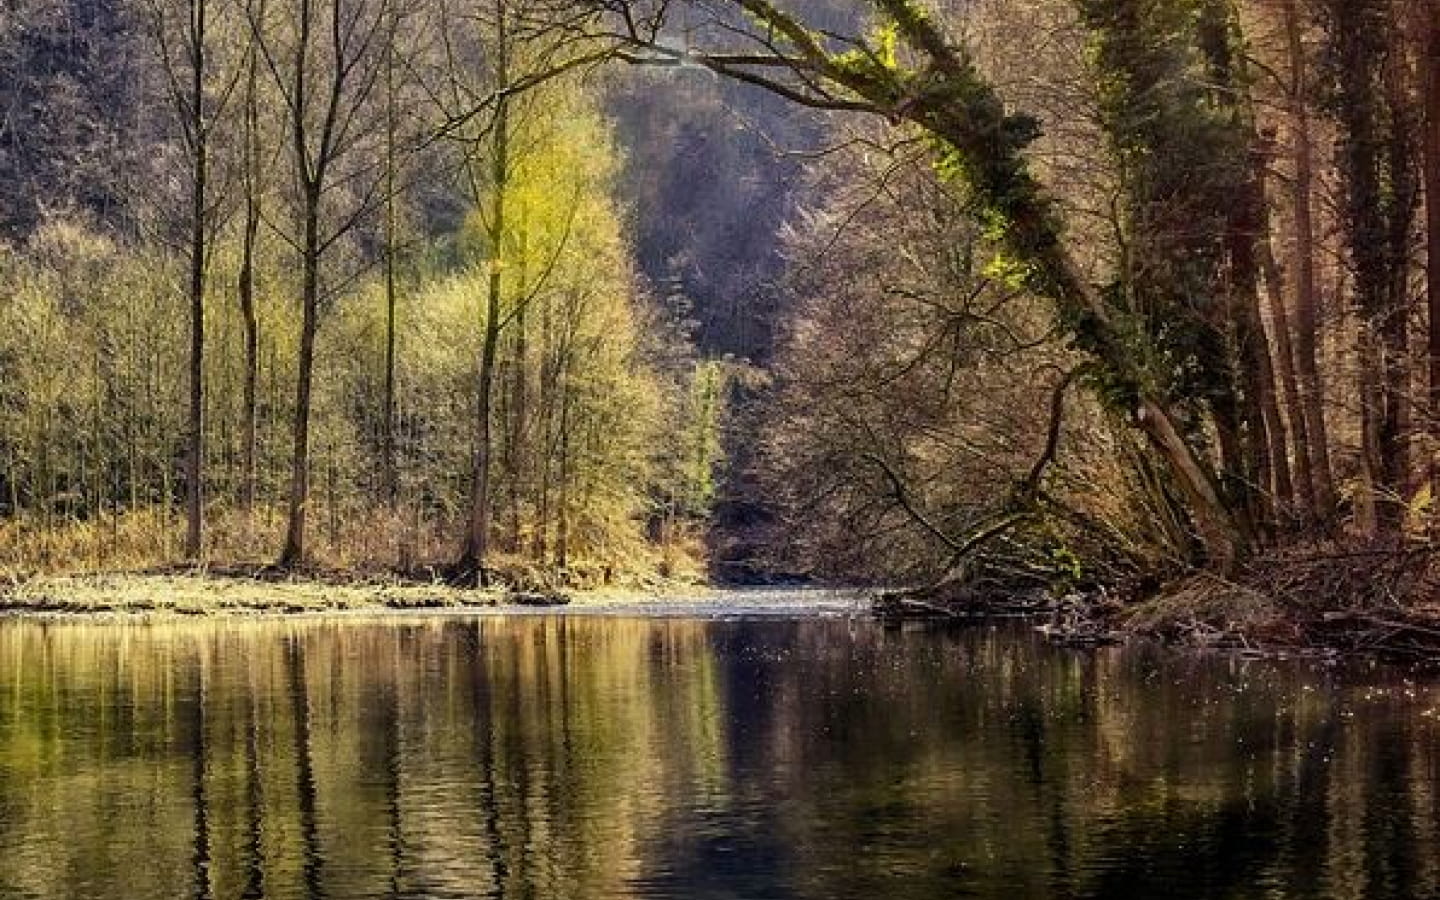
(612, 757)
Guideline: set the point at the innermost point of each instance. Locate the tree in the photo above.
(1429, 34)
(910, 70)
(473, 555)
(326, 58)
(911, 385)
(389, 478)
(519, 56)
(1368, 97)
(182, 32)
(253, 164)
(1302, 192)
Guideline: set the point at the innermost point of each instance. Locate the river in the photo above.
(720, 749)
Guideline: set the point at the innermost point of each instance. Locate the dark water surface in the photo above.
(609, 756)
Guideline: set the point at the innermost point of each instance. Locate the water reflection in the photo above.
(612, 757)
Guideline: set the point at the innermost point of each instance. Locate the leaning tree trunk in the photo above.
(983, 144)
(965, 113)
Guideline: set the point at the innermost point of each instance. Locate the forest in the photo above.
(978, 297)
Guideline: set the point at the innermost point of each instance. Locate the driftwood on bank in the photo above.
(537, 598)
(1394, 633)
(957, 605)
(1369, 599)
(1075, 622)
(1381, 601)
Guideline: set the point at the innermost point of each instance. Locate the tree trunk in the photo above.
(248, 315)
(474, 554)
(1265, 433)
(195, 444)
(1400, 155)
(1303, 481)
(517, 442)
(252, 359)
(1374, 158)
(1266, 470)
(1430, 59)
(1370, 519)
(294, 552)
(1248, 231)
(1223, 537)
(547, 392)
(562, 530)
(389, 473)
(389, 476)
(1306, 368)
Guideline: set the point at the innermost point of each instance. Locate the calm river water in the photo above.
(804, 755)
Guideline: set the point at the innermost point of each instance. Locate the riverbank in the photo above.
(1358, 602)
(208, 593)
(129, 562)
(1383, 601)
(1321, 599)
(219, 593)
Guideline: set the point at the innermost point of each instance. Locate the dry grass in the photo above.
(369, 543)
(370, 540)
(200, 593)
(375, 560)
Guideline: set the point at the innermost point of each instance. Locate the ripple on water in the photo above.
(799, 751)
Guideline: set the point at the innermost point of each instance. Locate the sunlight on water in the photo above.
(608, 757)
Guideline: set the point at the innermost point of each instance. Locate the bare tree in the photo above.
(253, 163)
(182, 31)
(327, 59)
